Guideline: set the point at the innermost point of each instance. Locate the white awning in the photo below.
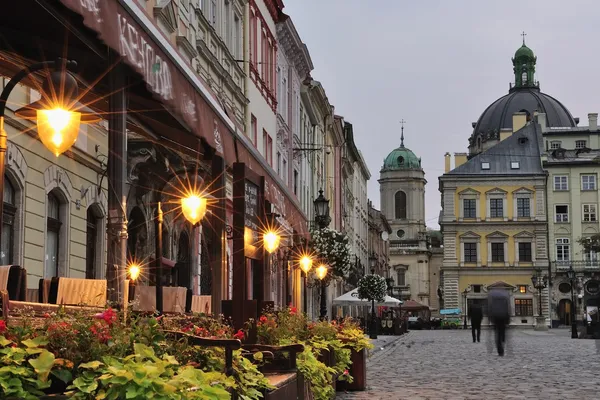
(351, 299)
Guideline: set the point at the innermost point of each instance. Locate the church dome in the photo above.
(523, 96)
(401, 158)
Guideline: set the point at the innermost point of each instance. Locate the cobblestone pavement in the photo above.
(448, 365)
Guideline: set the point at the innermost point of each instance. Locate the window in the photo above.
(470, 208)
(496, 208)
(265, 144)
(555, 144)
(400, 203)
(497, 252)
(514, 165)
(561, 182)
(580, 144)
(588, 182)
(589, 213)
(295, 182)
(279, 164)
(269, 149)
(254, 131)
(563, 249)
(400, 279)
(213, 13)
(52, 235)
(227, 26)
(590, 256)
(523, 307)
(485, 165)
(562, 213)
(522, 288)
(8, 223)
(237, 41)
(523, 208)
(91, 244)
(476, 288)
(285, 172)
(470, 252)
(525, 252)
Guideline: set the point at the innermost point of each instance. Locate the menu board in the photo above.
(251, 206)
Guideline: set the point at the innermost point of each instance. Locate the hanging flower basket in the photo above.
(333, 249)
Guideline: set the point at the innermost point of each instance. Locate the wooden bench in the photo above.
(281, 370)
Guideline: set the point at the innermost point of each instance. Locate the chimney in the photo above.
(447, 159)
(459, 159)
(541, 119)
(593, 121)
(519, 121)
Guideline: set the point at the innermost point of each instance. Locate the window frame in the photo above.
(523, 307)
(400, 215)
(498, 249)
(560, 183)
(471, 253)
(494, 207)
(525, 249)
(54, 225)
(555, 144)
(579, 142)
(521, 207)
(592, 215)
(565, 244)
(9, 219)
(564, 217)
(471, 211)
(591, 183)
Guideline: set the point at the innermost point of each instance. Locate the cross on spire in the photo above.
(402, 122)
(523, 34)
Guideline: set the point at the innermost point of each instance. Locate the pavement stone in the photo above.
(448, 365)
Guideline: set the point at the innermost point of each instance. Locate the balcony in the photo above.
(401, 292)
(580, 265)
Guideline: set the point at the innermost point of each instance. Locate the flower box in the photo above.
(358, 371)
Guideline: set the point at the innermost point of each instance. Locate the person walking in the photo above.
(476, 316)
(499, 313)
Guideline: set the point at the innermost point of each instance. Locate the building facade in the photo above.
(570, 157)
(402, 189)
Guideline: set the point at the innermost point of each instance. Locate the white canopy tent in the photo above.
(351, 299)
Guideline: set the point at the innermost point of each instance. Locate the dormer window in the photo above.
(514, 165)
(524, 78)
(485, 165)
(401, 160)
(555, 144)
(580, 144)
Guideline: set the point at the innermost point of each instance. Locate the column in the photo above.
(117, 178)
(218, 250)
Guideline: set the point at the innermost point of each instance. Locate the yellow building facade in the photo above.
(494, 226)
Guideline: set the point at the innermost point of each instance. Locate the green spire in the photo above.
(524, 66)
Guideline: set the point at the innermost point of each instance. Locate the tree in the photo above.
(372, 288)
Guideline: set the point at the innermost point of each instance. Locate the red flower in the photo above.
(346, 372)
(2, 326)
(109, 316)
(46, 315)
(239, 335)
(263, 319)
(293, 310)
(101, 332)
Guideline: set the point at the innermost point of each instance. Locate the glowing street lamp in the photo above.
(321, 272)
(134, 272)
(193, 207)
(305, 264)
(271, 241)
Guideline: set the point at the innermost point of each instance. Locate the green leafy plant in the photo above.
(350, 333)
(372, 287)
(316, 373)
(143, 375)
(25, 369)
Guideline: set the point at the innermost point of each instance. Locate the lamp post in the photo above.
(305, 265)
(323, 219)
(465, 306)
(57, 121)
(373, 330)
(571, 276)
(540, 283)
(321, 272)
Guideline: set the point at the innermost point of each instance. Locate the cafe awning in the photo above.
(351, 299)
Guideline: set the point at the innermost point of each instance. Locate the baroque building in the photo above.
(570, 157)
(402, 190)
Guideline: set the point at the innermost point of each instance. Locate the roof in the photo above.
(524, 51)
(522, 146)
(401, 158)
(499, 115)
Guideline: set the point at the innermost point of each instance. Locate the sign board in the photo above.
(251, 207)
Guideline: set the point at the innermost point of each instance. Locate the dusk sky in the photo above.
(438, 64)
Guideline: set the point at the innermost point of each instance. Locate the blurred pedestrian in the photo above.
(499, 313)
(476, 316)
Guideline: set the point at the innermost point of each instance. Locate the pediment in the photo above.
(523, 190)
(470, 235)
(468, 192)
(500, 285)
(497, 234)
(165, 11)
(496, 191)
(524, 234)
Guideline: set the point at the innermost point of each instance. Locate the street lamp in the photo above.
(323, 219)
(373, 330)
(57, 122)
(305, 265)
(193, 207)
(571, 276)
(134, 271)
(540, 283)
(321, 273)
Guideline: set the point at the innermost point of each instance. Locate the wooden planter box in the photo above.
(327, 357)
(358, 371)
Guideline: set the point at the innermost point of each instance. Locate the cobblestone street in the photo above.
(448, 365)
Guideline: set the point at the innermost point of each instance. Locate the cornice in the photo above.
(294, 49)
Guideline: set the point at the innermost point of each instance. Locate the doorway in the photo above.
(565, 313)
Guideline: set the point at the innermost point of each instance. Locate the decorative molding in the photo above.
(56, 177)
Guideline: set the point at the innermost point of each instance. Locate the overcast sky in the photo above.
(439, 64)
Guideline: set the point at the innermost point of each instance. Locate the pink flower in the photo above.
(2, 326)
(346, 372)
(109, 316)
(239, 335)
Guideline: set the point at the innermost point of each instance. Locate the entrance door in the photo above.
(565, 313)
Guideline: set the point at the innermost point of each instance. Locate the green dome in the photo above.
(401, 158)
(524, 52)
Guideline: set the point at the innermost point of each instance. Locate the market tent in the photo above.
(411, 305)
(351, 299)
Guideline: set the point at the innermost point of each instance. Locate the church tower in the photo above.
(402, 190)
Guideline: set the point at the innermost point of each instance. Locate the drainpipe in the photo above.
(548, 246)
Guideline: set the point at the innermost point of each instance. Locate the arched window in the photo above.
(8, 223)
(400, 203)
(53, 229)
(136, 235)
